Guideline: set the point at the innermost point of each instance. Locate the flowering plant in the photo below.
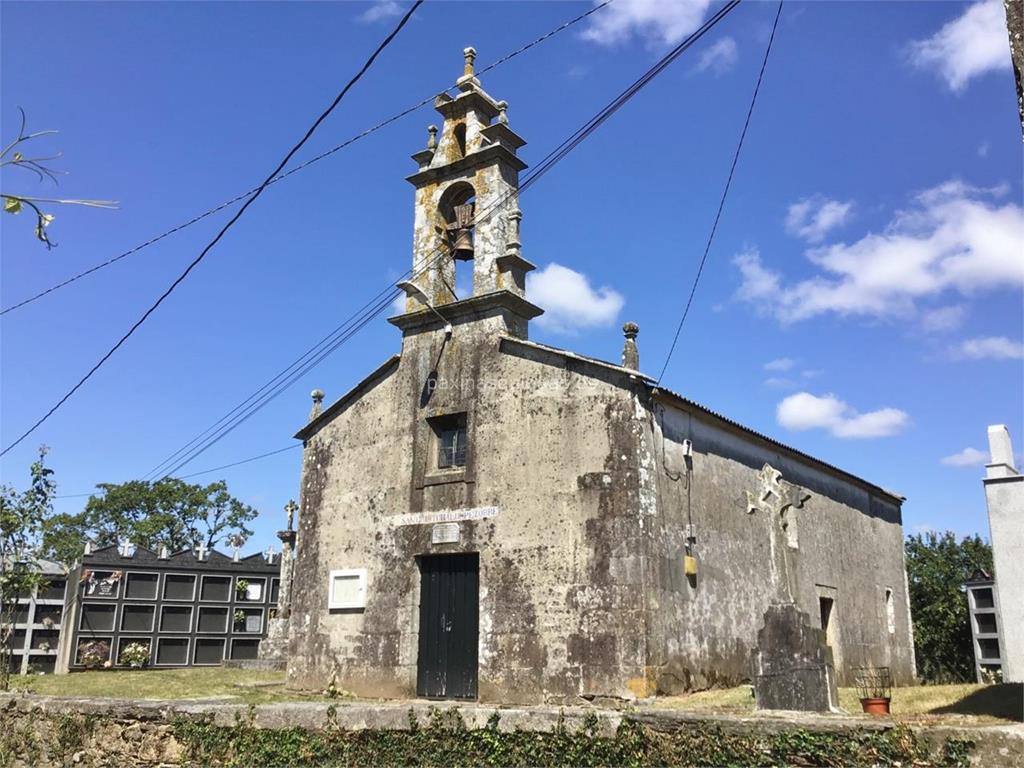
(93, 653)
(135, 654)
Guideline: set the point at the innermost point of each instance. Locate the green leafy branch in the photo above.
(13, 157)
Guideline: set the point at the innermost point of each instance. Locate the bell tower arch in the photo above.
(467, 209)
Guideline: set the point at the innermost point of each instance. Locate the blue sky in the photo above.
(862, 302)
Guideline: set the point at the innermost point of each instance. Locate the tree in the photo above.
(12, 157)
(937, 567)
(168, 512)
(23, 517)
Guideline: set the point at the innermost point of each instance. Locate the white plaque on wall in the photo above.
(445, 533)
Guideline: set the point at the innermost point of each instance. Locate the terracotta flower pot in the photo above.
(875, 706)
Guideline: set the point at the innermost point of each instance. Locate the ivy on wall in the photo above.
(60, 739)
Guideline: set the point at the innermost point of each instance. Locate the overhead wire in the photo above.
(302, 166)
(725, 194)
(383, 299)
(238, 214)
(238, 463)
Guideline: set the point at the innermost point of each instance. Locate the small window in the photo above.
(347, 589)
(890, 612)
(450, 432)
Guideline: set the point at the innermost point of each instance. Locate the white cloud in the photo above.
(814, 217)
(569, 302)
(952, 238)
(943, 318)
(970, 45)
(380, 10)
(968, 457)
(804, 411)
(779, 364)
(758, 282)
(989, 348)
(719, 58)
(659, 22)
(983, 149)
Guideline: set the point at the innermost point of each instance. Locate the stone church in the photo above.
(486, 517)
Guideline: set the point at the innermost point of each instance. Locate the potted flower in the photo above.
(48, 622)
(239, 617)
(135, 655)
(44, 646)
(874, 688)
(242, 588)
(93, 654)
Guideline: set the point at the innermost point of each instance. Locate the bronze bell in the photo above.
(462, 233)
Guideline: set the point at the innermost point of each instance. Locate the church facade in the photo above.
(486, 517)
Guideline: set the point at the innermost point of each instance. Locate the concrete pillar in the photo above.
(1004, 496)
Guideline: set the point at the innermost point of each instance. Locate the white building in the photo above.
(1004, 495)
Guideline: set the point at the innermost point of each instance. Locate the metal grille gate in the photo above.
(449, 621)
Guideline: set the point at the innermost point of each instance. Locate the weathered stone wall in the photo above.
(561, 599)
(844, 542)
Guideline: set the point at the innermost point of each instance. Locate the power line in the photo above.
(291, 447)
(379, 303)
(226, 227)
(725, 194)
(301, 166)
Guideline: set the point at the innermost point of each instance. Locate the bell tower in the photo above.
(467, 209)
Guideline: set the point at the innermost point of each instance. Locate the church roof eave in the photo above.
(330, 411)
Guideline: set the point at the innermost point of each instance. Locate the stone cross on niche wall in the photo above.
(775, 497)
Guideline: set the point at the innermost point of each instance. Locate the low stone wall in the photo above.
(46, 731)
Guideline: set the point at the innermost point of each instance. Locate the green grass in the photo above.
(214, 682)
(960, 703)
(966, 703)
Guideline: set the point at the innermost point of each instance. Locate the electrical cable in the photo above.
(375, 306)
(225, 228)
(291, 447)
(301, 166)
(725, 194)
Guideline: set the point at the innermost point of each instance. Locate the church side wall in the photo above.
(844, 544)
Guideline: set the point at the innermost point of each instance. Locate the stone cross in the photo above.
(269, 554)
(291, 508)
(126, 547)
(201, 551)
